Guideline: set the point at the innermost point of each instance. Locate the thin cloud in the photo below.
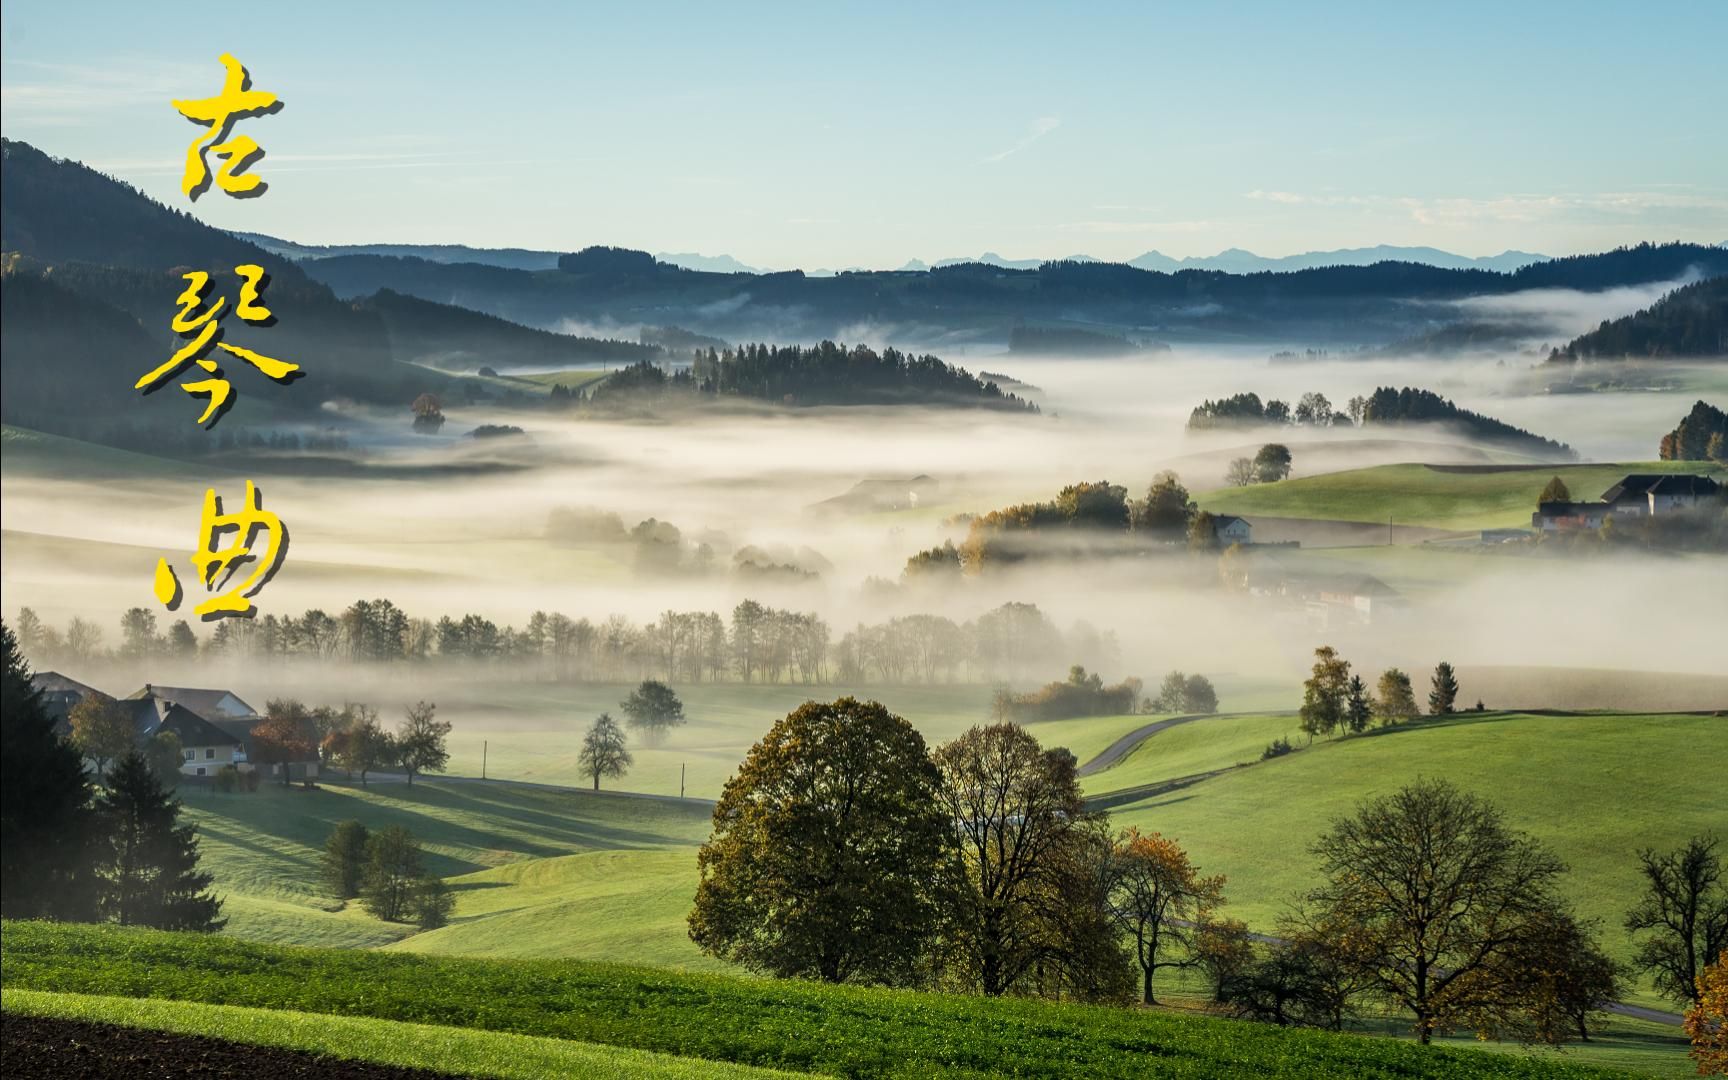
(1041, 127)
(1515, 208)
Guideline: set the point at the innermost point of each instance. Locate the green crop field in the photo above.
(774, 1023)
(1595, 787)
(444, 1049)
(1435, 497)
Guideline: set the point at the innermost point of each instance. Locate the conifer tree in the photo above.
(147, 862)
(1444, 692)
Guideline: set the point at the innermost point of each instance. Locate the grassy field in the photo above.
(574, 379)
(1428, 496)
(793, 1025)
(264, 848)
(459, 1051)
(1595, 788)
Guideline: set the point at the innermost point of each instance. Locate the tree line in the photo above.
(845, 849)
(758, 643)
(1336, 702)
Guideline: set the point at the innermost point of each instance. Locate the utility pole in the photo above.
(483, 745)
(1388, 530)
(680, 779)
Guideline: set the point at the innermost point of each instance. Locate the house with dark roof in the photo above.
(59, 695)
(204, 747)
(212, 704)
(1636, 495)
(1230, 529)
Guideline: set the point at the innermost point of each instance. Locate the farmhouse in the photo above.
(1634, 496)
(204, 747)
(1230, 529)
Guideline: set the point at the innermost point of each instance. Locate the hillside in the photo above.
(457, 339)
(1689, 322)
(781, 1024)
(1438, 496)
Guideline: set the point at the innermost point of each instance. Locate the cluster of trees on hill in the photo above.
(845, 849)
(1335, 701)
(1084, 520)
(1073, 341)
(1690, 321)
(757, 643)
(1083, 693)
(1701, 435)
(385, 871)
(821, 374)
(660, 548)
(1385, 405)
(69, 849)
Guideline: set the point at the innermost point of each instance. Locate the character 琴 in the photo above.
(237, 101)
(216, 563)
(203, 331)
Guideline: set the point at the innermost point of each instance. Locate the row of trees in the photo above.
(1334, 700)
(71, 851)
(757, 643)
(1088, 519)
(1386, 405)
(351, 737)
(845, 850)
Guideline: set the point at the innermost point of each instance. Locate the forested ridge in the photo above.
(1690, 321)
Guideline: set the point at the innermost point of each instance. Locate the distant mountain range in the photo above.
(1231, 261)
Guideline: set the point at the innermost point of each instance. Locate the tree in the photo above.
(1241, 472)
(1556, 491)
(1314, 408)
(653, 709)
(1167, 509)
(1272, 462)
(1684, 912)
(345, 859)
(138, 636)
(1198, 695)
(1443, 690)
(1357, 708)
(44, 804)
(1438, 894)
(1277, 412)
(603, 752)
(162, 753)
(1172, 693)
(182, 642)
(420, 741)
(827, 844)
(1355, 407)
(101, 730)
(1563, 978)
(283, 737)
(1707, 1020)
(1324, 693)
(1203, 532)
(1014, 808)
(1158, 899)
(431, 903)
(369, 746)
(1395, 698)
(146, 861)
(392, 872)
(1223, 949)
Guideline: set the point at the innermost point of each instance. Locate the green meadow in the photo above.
(1437, 497)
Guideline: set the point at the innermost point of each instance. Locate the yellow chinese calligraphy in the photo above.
(203, 331)
(217, 564)
(237, 101)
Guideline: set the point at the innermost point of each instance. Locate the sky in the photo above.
(836, 135)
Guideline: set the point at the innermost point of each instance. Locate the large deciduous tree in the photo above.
(1167, 509)
(1272, 462)
(653, 709)
(1706, 1022)
(1438, 893)
(44, 804)
(283, 737)
(1159, 898)
(146, 861)
(827, 849)
(603, 752)
(392, 875)
(420, 741)
(1395, 698)
(368, 746)
(1325, 694)
(1682, 917)
(101, 730)
(1015, 808)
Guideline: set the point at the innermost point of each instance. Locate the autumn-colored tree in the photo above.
(1563, 978)
(1325, 694)
(1159, 897)
(1437, 893)
(828, 845)
(1556, 491)
(1707, 1019)
(368, 745)
(1395, 698)
(101, 730)
(1223, 949)
(281, 738)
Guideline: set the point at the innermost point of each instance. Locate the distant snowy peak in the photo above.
(1238, 261)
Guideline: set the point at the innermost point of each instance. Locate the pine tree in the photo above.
(1357, 708)
(147, 864)
(44, 804)
(1445, 690)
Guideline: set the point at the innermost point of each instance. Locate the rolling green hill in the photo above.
(1436, 496)
(783, 1024)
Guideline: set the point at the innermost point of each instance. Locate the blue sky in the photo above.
(839, 135)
